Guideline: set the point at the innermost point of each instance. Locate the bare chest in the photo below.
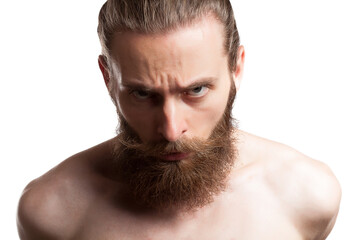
(248, 219)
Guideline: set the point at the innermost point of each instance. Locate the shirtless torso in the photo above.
(273, 192)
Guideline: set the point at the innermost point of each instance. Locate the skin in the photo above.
(274, 192)
(171, 69)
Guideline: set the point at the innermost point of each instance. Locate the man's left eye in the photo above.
(198, 91)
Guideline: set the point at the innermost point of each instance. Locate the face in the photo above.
(171, 85)
(172, 96)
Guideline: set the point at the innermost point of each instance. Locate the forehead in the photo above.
(193, 51)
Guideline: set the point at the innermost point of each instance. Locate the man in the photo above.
(178, 168)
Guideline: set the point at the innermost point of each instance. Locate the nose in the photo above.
(172, 124)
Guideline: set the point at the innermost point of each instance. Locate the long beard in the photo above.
(187, 184)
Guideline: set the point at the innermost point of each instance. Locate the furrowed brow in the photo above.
(209, 81)
(136, 86)
(201, 82)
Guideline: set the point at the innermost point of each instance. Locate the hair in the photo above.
(163, 16)
(178, 185)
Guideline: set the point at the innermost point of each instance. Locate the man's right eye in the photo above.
(140, 94)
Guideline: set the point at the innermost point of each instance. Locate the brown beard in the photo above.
(187, 184)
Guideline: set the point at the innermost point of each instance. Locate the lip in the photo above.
(176, 156)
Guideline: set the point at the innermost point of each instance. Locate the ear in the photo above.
(103, 65)
(238, 74)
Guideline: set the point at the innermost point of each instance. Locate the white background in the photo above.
(301, 87)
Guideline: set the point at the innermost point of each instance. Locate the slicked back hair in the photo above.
(163, 16)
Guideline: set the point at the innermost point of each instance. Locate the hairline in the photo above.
(209, 16)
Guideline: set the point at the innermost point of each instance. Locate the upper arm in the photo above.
(43, 212)
(312, 197)
(31, 220)
(321, 206)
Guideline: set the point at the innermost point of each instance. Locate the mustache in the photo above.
(184, 145)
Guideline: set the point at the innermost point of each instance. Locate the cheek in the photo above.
(205, 119)
(140, 120)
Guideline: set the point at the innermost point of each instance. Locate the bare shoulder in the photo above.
(307, 188)
(47, 207)
(53, 205)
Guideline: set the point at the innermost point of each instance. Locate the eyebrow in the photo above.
(206, 81)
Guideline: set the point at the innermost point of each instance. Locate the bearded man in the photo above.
(178, 168)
